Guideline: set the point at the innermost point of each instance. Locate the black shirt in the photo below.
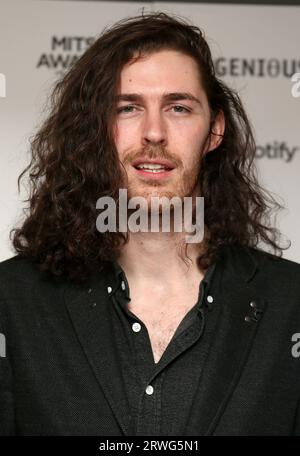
(160, 395)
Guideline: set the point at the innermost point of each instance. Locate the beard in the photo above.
(181, 183)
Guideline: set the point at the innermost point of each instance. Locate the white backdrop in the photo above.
(256, 50)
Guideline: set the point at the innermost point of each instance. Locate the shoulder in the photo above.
(272, 272)
(278, 276)
(18, 267)
(22, 278)
(264, 260)
(274, 263)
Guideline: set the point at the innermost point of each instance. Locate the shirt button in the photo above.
(149, 390)
(136, 327)
(123, 286)
(210, 299)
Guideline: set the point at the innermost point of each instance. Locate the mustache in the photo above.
(152, 152)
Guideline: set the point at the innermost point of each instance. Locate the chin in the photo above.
(154, 192)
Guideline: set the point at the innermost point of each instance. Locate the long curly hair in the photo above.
(74, 160)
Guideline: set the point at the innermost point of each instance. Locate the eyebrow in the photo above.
(173, 96)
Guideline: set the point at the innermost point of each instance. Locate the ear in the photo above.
(216, 132)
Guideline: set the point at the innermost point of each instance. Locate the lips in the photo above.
(153, 165)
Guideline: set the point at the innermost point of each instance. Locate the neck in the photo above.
(149, 256)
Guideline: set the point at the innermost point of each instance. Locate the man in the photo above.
(143, 333)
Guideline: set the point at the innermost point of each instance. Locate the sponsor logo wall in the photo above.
(255, 49)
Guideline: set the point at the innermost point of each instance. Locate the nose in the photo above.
(154, 129)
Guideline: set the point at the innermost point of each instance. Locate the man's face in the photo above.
(162, 119)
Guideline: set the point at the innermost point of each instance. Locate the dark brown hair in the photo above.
(74, 160)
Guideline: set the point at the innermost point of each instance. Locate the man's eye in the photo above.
(126, 109)
(178, 108)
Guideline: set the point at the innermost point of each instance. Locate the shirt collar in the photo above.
(238, 260)
(119, 280)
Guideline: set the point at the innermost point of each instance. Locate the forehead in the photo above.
(162, 70)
